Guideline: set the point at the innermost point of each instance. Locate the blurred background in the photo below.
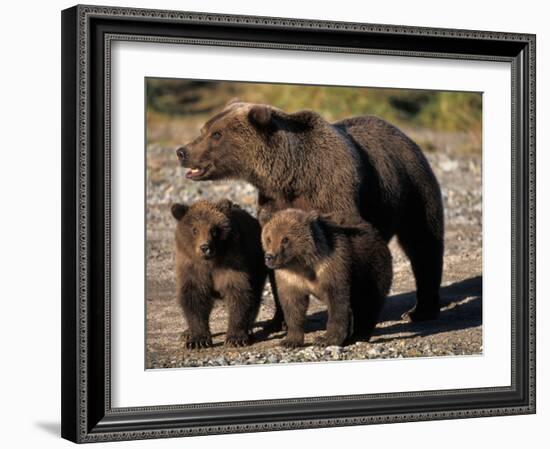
(446, 125)
(173, 104)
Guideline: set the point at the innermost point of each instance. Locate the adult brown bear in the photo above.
(358, 168)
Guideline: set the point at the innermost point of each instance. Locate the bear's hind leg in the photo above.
(340, 318)
(423, 245)
(367, 304)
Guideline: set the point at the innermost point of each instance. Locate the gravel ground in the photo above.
(458, 331)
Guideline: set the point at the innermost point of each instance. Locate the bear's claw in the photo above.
(198, 342)
(287, 343)
(237, 341)
(416, 314)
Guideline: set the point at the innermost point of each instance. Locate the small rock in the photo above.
(448, 165)
(373, 352)
(333, 349)
(222, 361)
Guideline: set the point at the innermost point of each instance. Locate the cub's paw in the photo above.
(292, 343)
(237, 340)
(198, 341)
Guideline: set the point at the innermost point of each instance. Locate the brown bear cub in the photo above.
(349, 268)
(218, 256)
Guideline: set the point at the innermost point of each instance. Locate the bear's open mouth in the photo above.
(195, 173)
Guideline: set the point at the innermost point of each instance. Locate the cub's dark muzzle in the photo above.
(269, 260)
(206, 250)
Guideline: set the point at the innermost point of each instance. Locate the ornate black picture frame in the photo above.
(87, 33)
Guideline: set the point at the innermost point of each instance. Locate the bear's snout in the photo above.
(274, 261)
(182, 153)
(206, 250)
(269, 259)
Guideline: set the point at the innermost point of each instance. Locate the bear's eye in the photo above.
(194, 231)
(216, 135)
(214, 232)
(284, 241)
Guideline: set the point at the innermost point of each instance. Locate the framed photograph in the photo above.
(275, 224)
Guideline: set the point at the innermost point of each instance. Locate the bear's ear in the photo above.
(265, 215)
(179, 210)
(260, 115)
(225, 206)
(233, 101)
(313, 215)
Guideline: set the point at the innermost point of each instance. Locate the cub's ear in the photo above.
(313, 215)
(225, 206)
(260, 115)
(179, 210)
(264, 216)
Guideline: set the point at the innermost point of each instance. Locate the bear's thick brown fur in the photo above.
(348, 268)
(358, 168)
(218, 256)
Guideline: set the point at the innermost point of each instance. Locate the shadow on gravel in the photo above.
(460, 309)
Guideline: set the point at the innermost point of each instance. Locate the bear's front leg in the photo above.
(197, 304)
(266, 208)
(242, 309)
(295, 306)
(340, 318)
(277, 322)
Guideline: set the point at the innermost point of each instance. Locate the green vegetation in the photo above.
(439, 111)
(170, 100)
